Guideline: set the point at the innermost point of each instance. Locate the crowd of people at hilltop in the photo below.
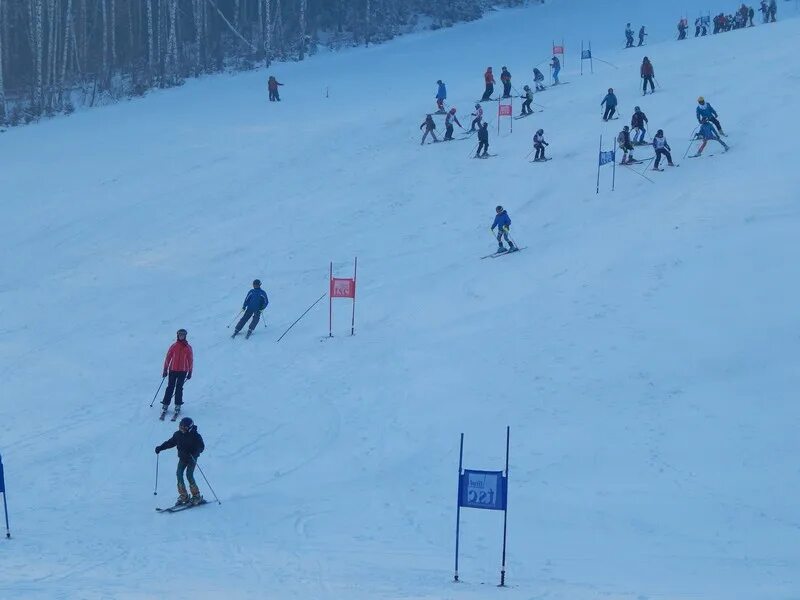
(742, 17)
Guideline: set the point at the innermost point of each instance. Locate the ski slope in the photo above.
(642, 347)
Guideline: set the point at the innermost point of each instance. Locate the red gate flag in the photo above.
(558, 49)
(504, 110)
(342, 287)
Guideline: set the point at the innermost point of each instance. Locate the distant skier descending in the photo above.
(638, 122)
(538, 145)
(648, 73)
(661, 148)
(429, 126)
(538, 78)
(706, 111)
(254, 303)
(610, 102)
(478, 120)
(190, 446)
(488, 80)
(505, 78)
(526, 105)
(503, 224)
(448, 124)
(178, 366)
(555, 64)
(441, 95)
(483, 141)
(272, 88)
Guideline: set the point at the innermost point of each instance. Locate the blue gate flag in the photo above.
(482, 489)
(586, 54)
(606, 156)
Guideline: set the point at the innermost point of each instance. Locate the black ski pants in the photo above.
(273, 96)
(482, 146)
(448, 132)
(662, 152)
(539, 151)
(256, 314)
(174, 385)
(476, 123)
(610, 110)
(526, 107)
(506, 89)
(645, 80)
(488, 93)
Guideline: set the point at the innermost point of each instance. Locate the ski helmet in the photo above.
(182, 332)
(186, 422)
(499, 208)
(660, 132)
(701, 100)
(257, 282)
(610, 90)
(636, 109)
(477, 105)
(540, 132)
(625, 128)
(453, 109)
(439, 81)
(527, 87)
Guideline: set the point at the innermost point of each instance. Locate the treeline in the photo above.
(56, 54)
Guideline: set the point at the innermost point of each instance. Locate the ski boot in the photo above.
(511, 247)
(501, 249)
(248, 334)
(176, 414)
(164, 408)
(182, 499)
(197, 499)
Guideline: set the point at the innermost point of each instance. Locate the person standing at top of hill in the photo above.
(611, 104)
(441, 95)
(683, 25)
(178, 366)
(628, 36)
(641, 35)
(505, 77)
(773, 10)
(555, 64)
(272, 87)
(254, 303)
(488, 79)
(648, 73)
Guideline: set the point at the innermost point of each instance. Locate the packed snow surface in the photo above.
(642, 348)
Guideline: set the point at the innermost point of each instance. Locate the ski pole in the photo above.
(657, 84)
(300, 317)
(234, 318)
(158, 390)
(206, 480)
(155, 489)
(473, 150)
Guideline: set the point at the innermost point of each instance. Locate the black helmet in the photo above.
(527, 87)
(636, 109)
(256, 282)
(540, 132)
(625, 128)
(499, 208)
(439, 81)
(186, 422)
(182, 332)
(477, 105)
(660, 132)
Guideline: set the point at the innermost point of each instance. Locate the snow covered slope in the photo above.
(642, 348)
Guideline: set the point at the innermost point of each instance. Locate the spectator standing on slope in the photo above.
(488, 80)
(272, 88)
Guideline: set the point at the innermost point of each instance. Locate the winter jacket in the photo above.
(441, 93)
(629, 33)
(505, 76)
(538, 75)
(624, 139)
(272, 84)
(179, 357)
(528, 95)
(660, 143)
(538, 141)
(638, 120)
(556, 64)
(478, 112)
(483, 134)
(647, 69)
(451, 116)
(256, 299)
(705, 110)
(488, 77)
(428, 124)
(190, 444)
(610, 100)
(502, 220)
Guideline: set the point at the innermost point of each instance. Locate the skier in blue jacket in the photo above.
(441, 96)
(611, 104)
(503, 223)
(705, 110)
(706, 133)
(255, 301)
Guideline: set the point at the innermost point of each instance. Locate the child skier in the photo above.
(538, 145)
(705, 110)
(190, 447)
(707, 133)
(556, 66)
(255, 301)
(429, 126)
(178, 367)
(483, 141)
(526, 105)
(638, 121)
(488, 79)
(641, 35)
(683, 25)
(538, 78)
(624, 141)
(503, 223)
(662, 148)
(441, 96)
(448, 124)
(628, 36)
(505, 78)
(611, 104)
(648, 73)
(478, 114)
(272, 87)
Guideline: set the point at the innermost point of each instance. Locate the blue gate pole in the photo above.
(458, 503)
(505, 513)
(598, 164)
(5, 508)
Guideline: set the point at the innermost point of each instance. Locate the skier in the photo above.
(483, 141)
(526, 105)
(448, 124)
(704, 26)
(539, 144)
(429, 126)
(773, 10)
(764, 10)
(662, 148)
(683, 25)
(272, 87)
(178, 367)
(628, 36)
(611, 104)
(638, 121)
(505, 78)
(556, 66)
(707, 133)
(698, 23)
(538, 78)
(641, 35)
(750, 14)
(478, 114)
(503, 223)
(488, 79)
(648, 73)
(624, 141)
(441, 96)
(190, 447)
(255, 301)
(705, 110)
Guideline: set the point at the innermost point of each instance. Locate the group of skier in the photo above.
(629, 36)
(740, 18)
(177, 370)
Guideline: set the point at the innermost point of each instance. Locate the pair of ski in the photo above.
(246, 335)
(535, 160)
(485, 156)
(181, 507)
(518, 117)
(174, 417)
(662, 168)
(497, 254)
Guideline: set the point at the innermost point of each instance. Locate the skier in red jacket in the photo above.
(178, 366)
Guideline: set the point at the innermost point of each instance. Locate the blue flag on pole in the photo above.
(586, 54)
(482, 489)
(606, 156)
